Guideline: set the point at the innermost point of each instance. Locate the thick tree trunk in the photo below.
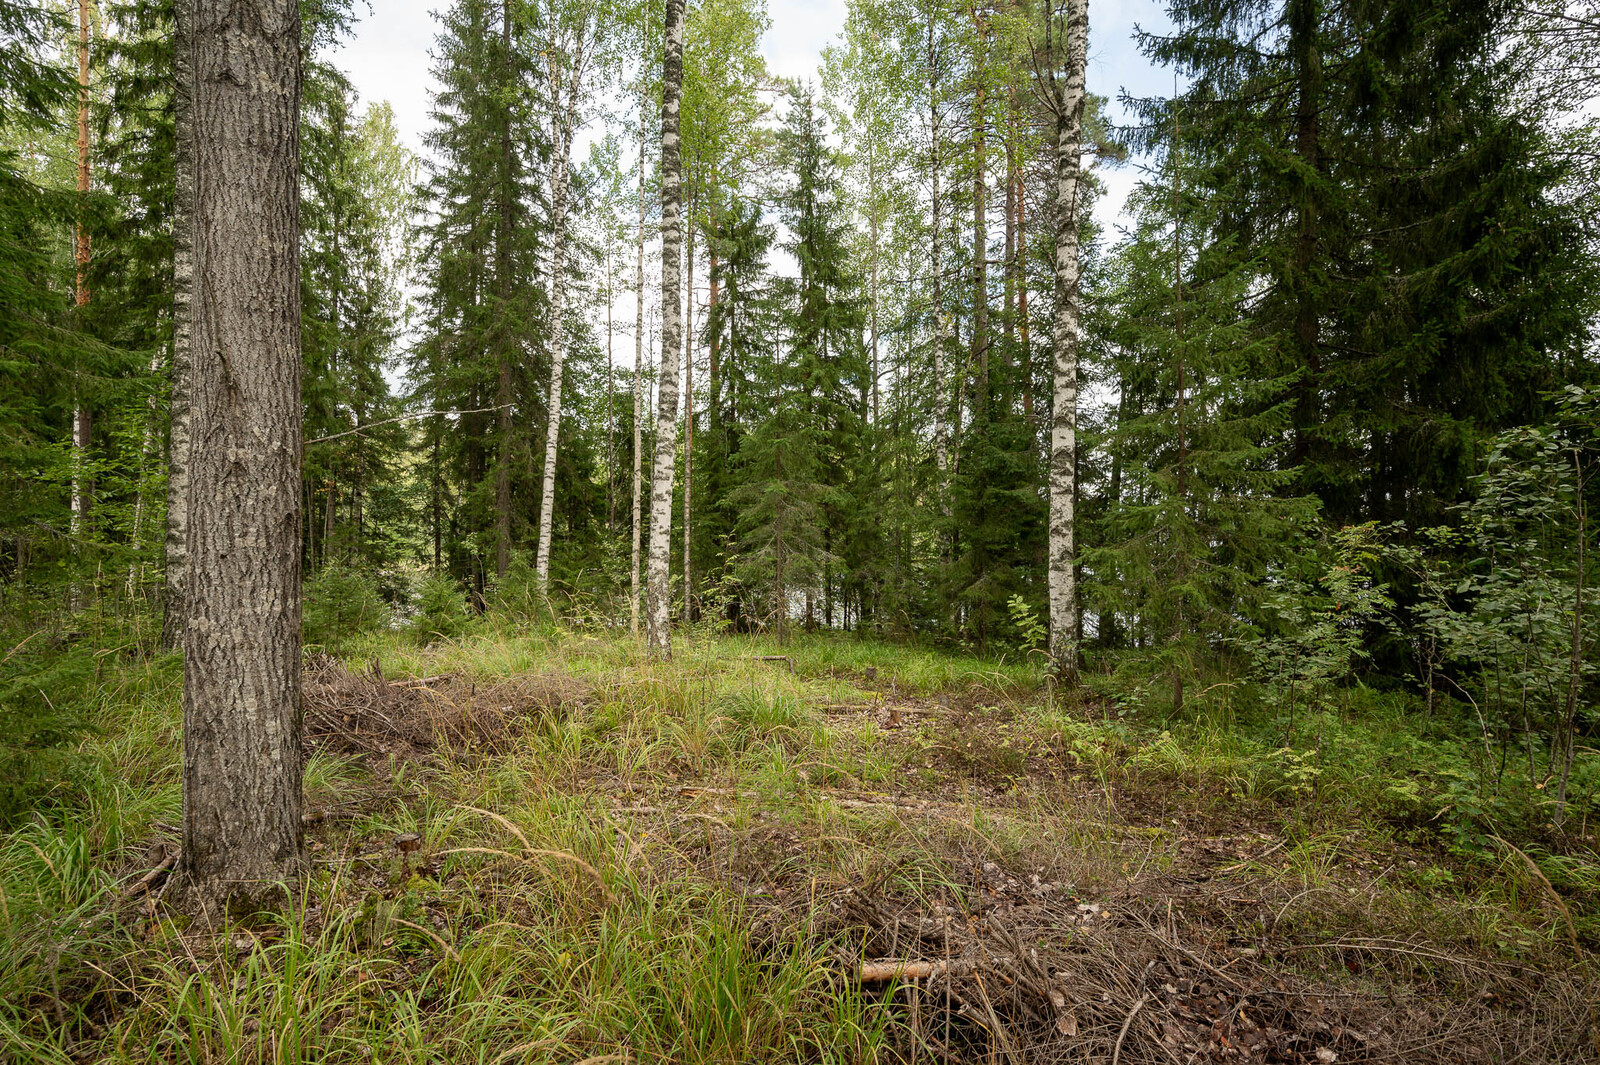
(176, 545)
(241, 696)
(660, 587)
(638, 399)
(558, 288)
(1067, 92)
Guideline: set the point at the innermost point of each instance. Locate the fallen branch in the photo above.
(419, 682)
(1116, 1052)
(785, 659)
(881, 972)
(148, 880)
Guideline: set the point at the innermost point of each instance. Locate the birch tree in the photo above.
(1063, 75)
(241, 699)
(175, 545)
(660, 587)
(638, 391)
(575, 55)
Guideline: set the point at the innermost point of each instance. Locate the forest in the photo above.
(685, 563)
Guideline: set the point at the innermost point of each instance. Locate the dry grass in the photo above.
(693, 862)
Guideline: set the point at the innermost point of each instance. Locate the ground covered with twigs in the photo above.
(543, 848)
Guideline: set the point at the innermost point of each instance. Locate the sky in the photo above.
(388, 59)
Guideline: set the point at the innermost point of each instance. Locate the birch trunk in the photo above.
(638, 398)
(688, 427)
(82, 419)
(660, 587)
(1067, 91)
(558, 270)
(502, 400)
(941, 386)
(176, 544)
(980, 248)
(241, 697)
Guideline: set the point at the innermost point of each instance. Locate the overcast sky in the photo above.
(388, 59)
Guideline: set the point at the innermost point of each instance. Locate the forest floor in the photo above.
(852, 852)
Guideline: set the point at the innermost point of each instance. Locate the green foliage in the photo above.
(341, 601)
(1320, 630)
(520, 595)
(1415, 252)
(1034, 634)
(48, 688)
(441, 609)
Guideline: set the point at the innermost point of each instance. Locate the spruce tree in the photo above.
(1202, 513)
(1418, 275)
(482, 307)
(825, 321)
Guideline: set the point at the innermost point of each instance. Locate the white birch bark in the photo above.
(659, 591)
(688, 428)
(176, 545)
(558, 288)
(1067, 93)
(941, 386)
(638, 398)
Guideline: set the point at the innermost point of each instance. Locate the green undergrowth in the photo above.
(640, 870)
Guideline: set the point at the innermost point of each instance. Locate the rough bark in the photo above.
(176, 545)
(660, 588)
(560, 168)
(241, 699)
(1067, 101)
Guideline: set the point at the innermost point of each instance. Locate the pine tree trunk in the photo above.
(175, 547)
(1067, 92)
(660, 588)
(241, 698)
(558, 288)
(638, 399)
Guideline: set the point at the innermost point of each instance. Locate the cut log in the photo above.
(419, 682)
(881, 972)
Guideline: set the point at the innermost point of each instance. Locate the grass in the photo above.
(680, 862)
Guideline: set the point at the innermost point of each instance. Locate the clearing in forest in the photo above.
(550, 849)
